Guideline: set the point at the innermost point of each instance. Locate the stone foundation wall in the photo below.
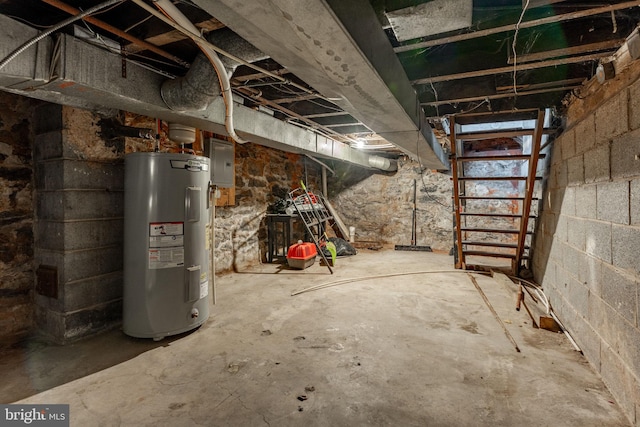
(380, 205)
(16, 217)
(262, 176)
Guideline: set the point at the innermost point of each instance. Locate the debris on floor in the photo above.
(549, 324)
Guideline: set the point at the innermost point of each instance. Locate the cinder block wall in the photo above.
(587, 251)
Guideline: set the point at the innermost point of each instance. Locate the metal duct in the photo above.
(383, 163)
(197, 89)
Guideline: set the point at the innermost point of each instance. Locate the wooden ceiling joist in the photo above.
(526, 24)
(330, 114)
(255, 76)
(136, 43)
(289, 100)
(609, 46)
(498, 96)
(510, 69)
(176, 36)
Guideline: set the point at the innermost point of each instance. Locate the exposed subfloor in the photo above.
(410, 350)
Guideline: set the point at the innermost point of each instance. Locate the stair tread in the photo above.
(495, 178)
(492, 230)
(492, 244)
(497, 215)
(498, 157)
(495, 198)
(490, 254)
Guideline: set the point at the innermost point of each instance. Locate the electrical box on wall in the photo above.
(222, 162)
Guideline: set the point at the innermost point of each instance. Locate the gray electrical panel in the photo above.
(222, 162)
(166, 255)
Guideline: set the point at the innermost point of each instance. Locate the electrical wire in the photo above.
(142, 21)
(435, 93)
(55, 28)
(381, 276)
(422, 169)
(513, 46)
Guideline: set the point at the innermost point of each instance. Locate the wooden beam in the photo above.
(609, 46)
(176, 36)
(509, 69)
(530, 186)
(143, 44)
(511, 27)
(498, 96)
(503, 133)
(331, 114)
(304, 97)
(252, 93)
(544, 85)
(339, 125)
(460, 262)
(255, 76)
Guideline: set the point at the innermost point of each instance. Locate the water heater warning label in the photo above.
(166, 229)
(166, 258)
(166, 245)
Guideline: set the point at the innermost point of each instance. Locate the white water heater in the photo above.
(166, 267)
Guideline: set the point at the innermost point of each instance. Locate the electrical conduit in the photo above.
(55, 28)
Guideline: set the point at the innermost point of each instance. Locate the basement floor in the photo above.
(410, 350)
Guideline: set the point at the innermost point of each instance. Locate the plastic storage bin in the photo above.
(301, 255)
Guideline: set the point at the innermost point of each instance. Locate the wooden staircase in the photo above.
(494, 187)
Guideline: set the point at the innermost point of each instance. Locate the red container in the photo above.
(301, 255)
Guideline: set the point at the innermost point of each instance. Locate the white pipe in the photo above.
(324, 165)
(213, 244)
(184, 25)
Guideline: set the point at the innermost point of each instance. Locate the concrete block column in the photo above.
(78, 233)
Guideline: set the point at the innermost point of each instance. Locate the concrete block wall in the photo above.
(16, 218)
(588, 246)
(78, 230)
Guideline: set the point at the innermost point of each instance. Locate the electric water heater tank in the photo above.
(166, 267)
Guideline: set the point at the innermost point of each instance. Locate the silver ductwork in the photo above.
(197, 89)
(383, 163)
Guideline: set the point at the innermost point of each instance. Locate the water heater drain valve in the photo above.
(194, 313)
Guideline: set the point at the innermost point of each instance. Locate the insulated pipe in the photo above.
(168, 8)
(383, 163)
(197, 89)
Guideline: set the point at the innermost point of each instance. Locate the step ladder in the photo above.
(494, 186)
(312, 210)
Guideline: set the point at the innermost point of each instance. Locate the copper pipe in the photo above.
(116, 31)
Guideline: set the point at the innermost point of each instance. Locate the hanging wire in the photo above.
(55, 28)
(142, 21)
(422, 169)
(435, 93)
(513, 47)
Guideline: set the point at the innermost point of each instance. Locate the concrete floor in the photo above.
(411, 350)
